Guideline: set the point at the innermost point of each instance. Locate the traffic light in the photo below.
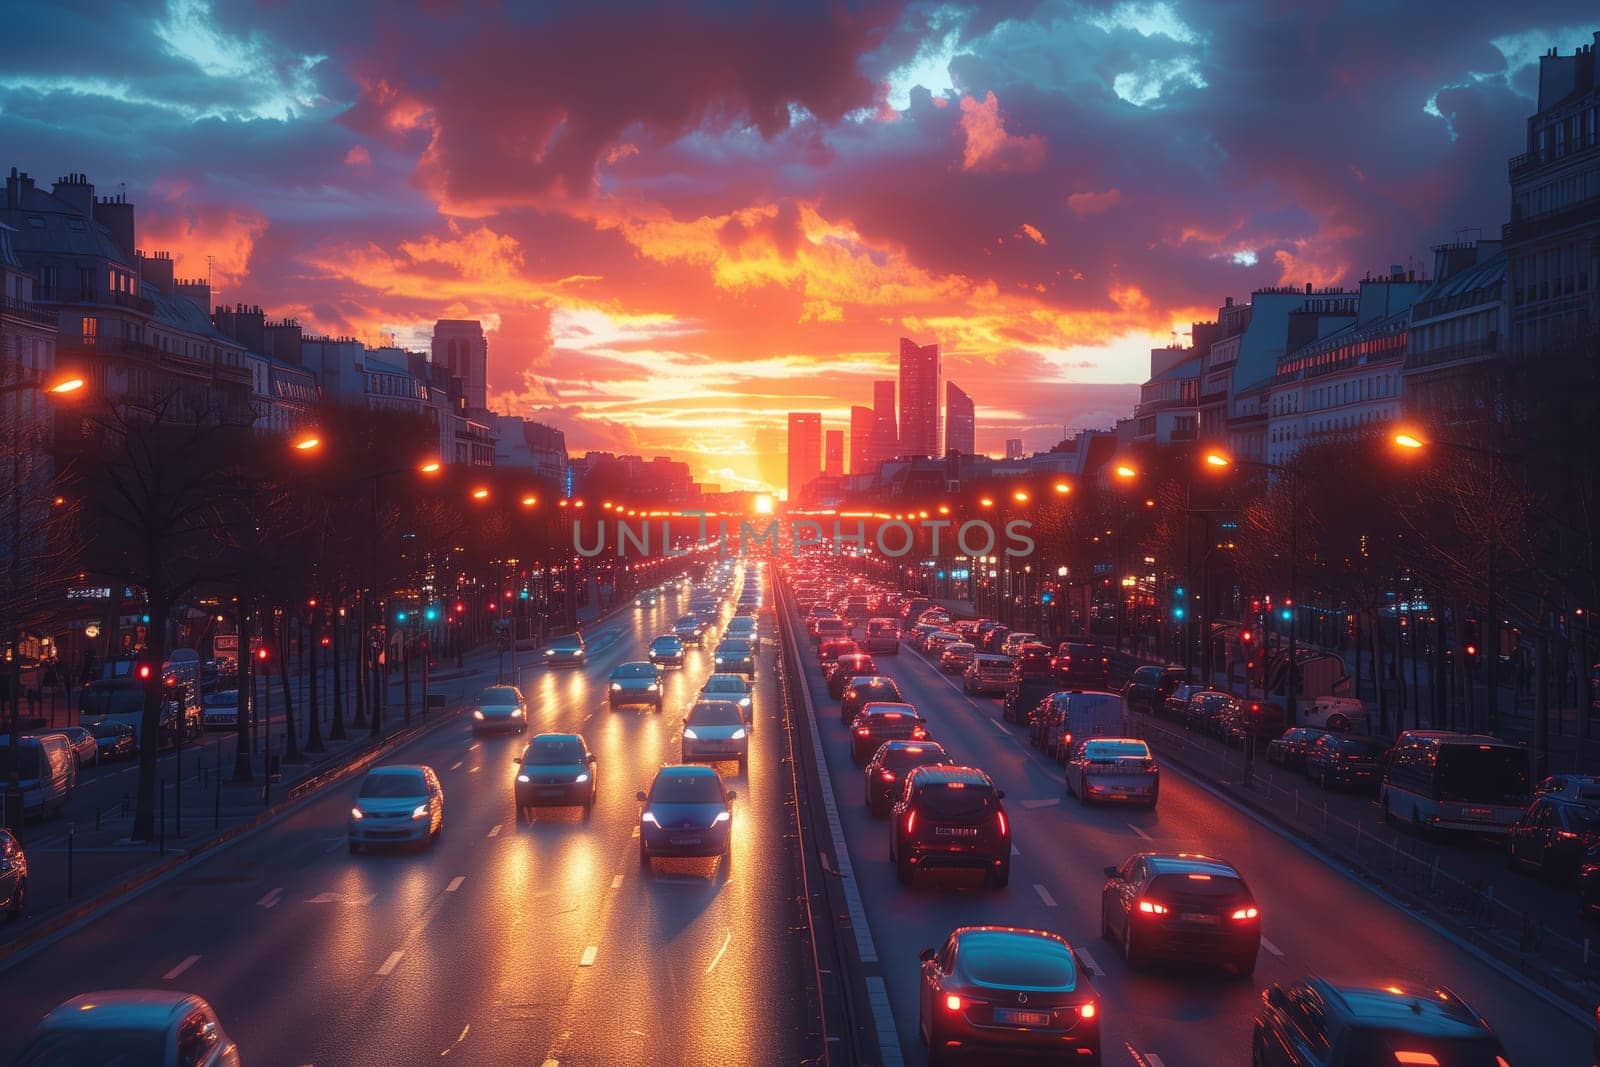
(144, 671)
(1180, 606)
(460, 607)
(431, 614)
(1470, 642)
(400, 616)
(261, 654)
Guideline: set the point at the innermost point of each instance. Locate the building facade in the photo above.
(861, 454)
(833, 454)
(919, 399)
(460, 347)
(1455, 350)
(885, 424)
(804, 452)
(961, 423)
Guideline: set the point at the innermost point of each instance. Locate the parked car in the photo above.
(84, 748)
(219, 709)
(1553, 836)
(1339, 714)
(1357, 1026)
(1178, 700)
(1289, 749)
(155, 1027)
(46, 770)
(986, 673)
(1181, 907)
(1113, 769)
(13, 875)
(1078, 665)
(1345, 760)
(1147, 690)
(886, 771)
(114, 739)
(1206, 711)
(1261, 720)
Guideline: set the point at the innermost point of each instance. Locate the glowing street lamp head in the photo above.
(1218, 459)
(65, 385)
(1020, 496)
(987, 502)
(1063, 488)
(764, 504)
(480, 493)
(530, 501)
(308, 443)
(1409, 440)
(1125, 472)
(944, 509)
(432, 466)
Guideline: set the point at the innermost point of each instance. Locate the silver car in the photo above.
(500, 707)
(716, 730)
(1113, 769)
(636, 683)
(397, 805)
(734, 687)
(145, 1026)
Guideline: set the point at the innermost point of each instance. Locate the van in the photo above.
(47, 770)
(1076, 715)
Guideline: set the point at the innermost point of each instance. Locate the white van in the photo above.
(47, 769)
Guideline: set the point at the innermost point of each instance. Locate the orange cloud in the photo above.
(1085, 204)
(358, 156)
(1031, 232)
(989, 146)
(195, 232)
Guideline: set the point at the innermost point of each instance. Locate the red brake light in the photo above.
(952, 1002)
(1241, 914)
(862, 731)
(1420, 1059)
(1150, 907)
(1087, 1011)
(1000, 817)
(886, 775)
(911, 820)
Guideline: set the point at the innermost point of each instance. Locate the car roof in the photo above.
(904, 743)
(555, 737)
(991, 657)
(1408, 1007)
(1011, 939)
(871, 679)
(120, 1009)
(1188, 863)
(743, 682)
(634, 669)
(665, 637)
(686, 770)
(888, 707)
(944, 773)
(397, 768)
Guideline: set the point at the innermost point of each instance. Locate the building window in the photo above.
(91, 331)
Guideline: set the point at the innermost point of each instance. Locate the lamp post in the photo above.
(1122, 474)
(1220, 461)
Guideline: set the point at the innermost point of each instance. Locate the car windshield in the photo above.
(1002, 964)
(899, 757)
(554, 750)
(724, 685)
(1146, 675)
(500, 694)
(715, 713)
(106, 1047)
(1112, 750)
(1486, 774)
(884, 690)
(408, 784)
(888, 718)
(734, 648)
(686, 789)
(1384, 1046)
(665, 642)
(951, 800)
(634, 670)
(688, 622)
(566, 643)
(1359, 746)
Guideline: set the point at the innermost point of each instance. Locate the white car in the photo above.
(150, 1026)
(715, 730)
(219, 709)
(1339, 714)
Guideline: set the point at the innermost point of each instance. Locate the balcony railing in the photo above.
(73, 295)
(27, 312)
(1482, 348)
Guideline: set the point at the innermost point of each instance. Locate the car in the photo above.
(734, 687)
(1207, 711)
(1023, 697)
(831, 649)
(950, 817)
(743, 627)
(1338, 714)
(1589, 886)
(1289, 750)
(863, 690)
(1345, 760)
(851, 665)
(1073, 715)
(565, 650)
(883, 637)
(1078, 665)
(956, 657)
(13, 875)
(1584, 787)
(155, 1027)
(397, 804)
(1147, 689)
(556, 770)
(1244, 720)
(1003, 991)
(1015, 639)
(732, 656)
(1552, 837)
(911, 609)
(994, 639)
(881, 721)
(647, 599)
(826, 628)
(1178, 699)
(667, 651)
(114, 739)
(690, 630)
(687, 811)
(500, 707)
(890, 764)
(1031, 659)
(219, 709)
(1180, 907)
(919, 633)
(986, 673)
(42, 766)
(716, 730)
(936, 642)
(1395, 1022)
(636, 682)
(1113, 769)
(82, 742)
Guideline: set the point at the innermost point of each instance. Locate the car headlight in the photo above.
(420, 811)
(744, 702)
(356, 813)
(549, 651)
(616, 687)
(517, 713)
(649, 817)
(738, 733)
(722, 816)
(652, 687)
(477, 713)
(577, 652)
(689, 734)
(721, 660)
(582, 777)
(522, 778)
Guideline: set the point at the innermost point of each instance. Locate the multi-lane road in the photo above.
(1315, 920)
(502, 944)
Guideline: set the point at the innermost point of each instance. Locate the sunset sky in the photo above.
(680, 222)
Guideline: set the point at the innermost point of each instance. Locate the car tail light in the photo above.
(1150, 907)
(1000, 820)
(1241, 914)
(918, 733)
(1088, 1010)
(887, 776)
(952, 1002)
(1419, 1059)
(862, 731)
(911, 820)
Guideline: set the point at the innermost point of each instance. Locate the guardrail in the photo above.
(1405, 866)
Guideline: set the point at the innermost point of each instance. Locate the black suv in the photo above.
(950, 817)
(1314, 1023)
(1148, 689)
(863, 690)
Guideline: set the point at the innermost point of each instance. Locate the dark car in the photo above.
(667, 651)
(987, 673)
(1032, 660)
(557, 770)
(13, 875)
(1081, 666)
(1245, 719)
(635, 683)
(882, 721)
(1349, 762)
(1290, 749)
(565, 650)
(690, 630)
(1207, 710)
(950, 817)
(1358, 1026)
(833, 648)
(846, 667)
(732, 656)
(1553, 836)
(994, 638)
(1023, 696)
(1178, 700)
(84, 748)
(860, 692)
(1180, 908)
(1001, 991)
(1147, 690)
(114, 740)
(889, 766)
(687, 812)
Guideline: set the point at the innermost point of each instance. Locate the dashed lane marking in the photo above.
(494, 831)
(188, 961)
(727, 939)
(456, 766)
(271, 899)
(455, 883)
(1270, 947)
(1140, 832)
(391, 963)
(587, 959)
(1048, 803)
(1044, 895)
(1094, 965)
(616, 881)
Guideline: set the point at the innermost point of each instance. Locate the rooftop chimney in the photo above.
(17, 184)
(76, 190)
(156, 270)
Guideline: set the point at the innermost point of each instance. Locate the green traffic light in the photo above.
(401, 616)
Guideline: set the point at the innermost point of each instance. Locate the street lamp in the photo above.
(1063, 488)
(1220, 461)
(58, 386)
(1124, 473)
(307, 443)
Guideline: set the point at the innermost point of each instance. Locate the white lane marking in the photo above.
(474, 746)
(1015, 851)
(494, 831)
(271, 899)
(342, 898)
(1140, 832)
(1050, 803)
(456, 766)
(455, 883)
(188, 961)
(1152, 1060)
(1094, 965)
(726, 941)
(635, 831)
(587, 960)
(1270, 947)
(616, 881)
(551, 1063)
(474, 770)
(391, 963)
(997, 725)
(1044, 895)
(883, 1016)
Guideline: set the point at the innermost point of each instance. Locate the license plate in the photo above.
(1200, 918)
(552, 794)
(685, 840)
(1013, 1017)
(1479, 813)
(956, 831)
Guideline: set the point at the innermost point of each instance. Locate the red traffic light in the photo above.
(460, 607)
(261, 654)
(1472, 650)
(144, 672)
(1247, 637)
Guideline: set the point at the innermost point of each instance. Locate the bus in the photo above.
(1435, 780)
